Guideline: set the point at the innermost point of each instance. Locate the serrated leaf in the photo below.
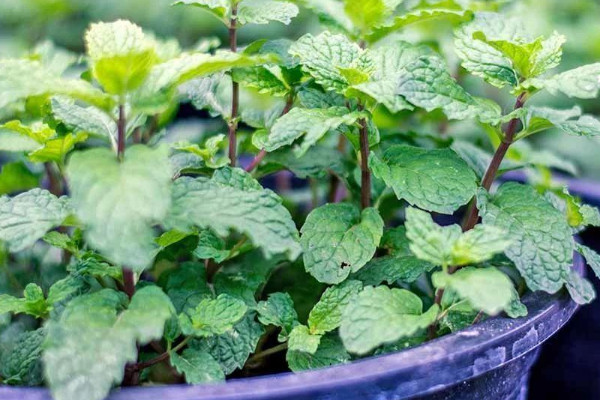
(326, 315)
(542, 247)
(278, 310)
(83, 119)
(338, 239)
(222, 204)
(211, 246)
(486, 289)
(265, 11)
(330, 352)
(262, 80)
(435, 180)
(212, 316)
(55, 150)
(231, 349)
(367, 14)
(122, 56)
(38, 131)
(479, 160)
(581, 83)
(220, 8)
(302, 340)
(119, 202)
(570, 121)
(380, 315)
(591, 257)
(88, 347)
(208, 153)
(325, 55)
(21, 79)
(32, 302)
(197, 366)
(27, 217)
(311, 124)
(426, 83)
(22, 364)
(580, 289)
(482, 59)
(187, 286)
(419, 15)
(316, 163)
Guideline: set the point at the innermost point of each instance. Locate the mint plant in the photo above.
(144, 258)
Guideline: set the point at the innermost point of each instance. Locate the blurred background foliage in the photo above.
(27, 23)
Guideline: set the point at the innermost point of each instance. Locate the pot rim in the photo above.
(454, 358)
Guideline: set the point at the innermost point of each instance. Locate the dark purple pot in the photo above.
(491, 360)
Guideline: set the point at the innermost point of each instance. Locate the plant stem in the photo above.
(235, 95)
(164, 356)
(54, 183)
(334, 181)
(121, 128)
(472, 215)
(262, 154)
(128, 282)
(266, 353)
(509, 135)
(365, 182)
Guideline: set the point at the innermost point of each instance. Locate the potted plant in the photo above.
(148, 260)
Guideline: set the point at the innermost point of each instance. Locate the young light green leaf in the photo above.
(580, 289)
(435, 180)
(330, 352)
(25, 218)
(222, 204)
(367, 14)
(542, 247)
(32, 302)
(219, 8)
(212, 316)
(55, 150)
(21, 79)
(278, 310)
(303, 341)
(326, 315)
(581, 83)
(122, 56)
(197, 366)
(486, 289)
(325, 56)
(232, 348)
(338, 239)
(313, 124)
(265, 11)
(380, 315)
(17, 177)
(119, 202)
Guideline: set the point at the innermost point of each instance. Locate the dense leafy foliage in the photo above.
(137, 251)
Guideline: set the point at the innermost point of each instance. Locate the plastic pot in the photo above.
(490, 360)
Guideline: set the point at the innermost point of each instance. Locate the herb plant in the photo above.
(149, 259)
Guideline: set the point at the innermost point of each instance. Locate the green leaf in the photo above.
(435, 180)
(380, 315)
(326, 315)
(37, 131)
(88, 120)
(580, 289)
(313, 124)
(119, 202)
(88, 347)
(486, 289)
(278, 310)
(482, 59)
(186, 286)
(212, 146)
(65, 289)
(367, 14)
(55, 150)
(262, 80)
(25, 218)
(338, 239)
(390, 62)
(32, 302)
(265, 11)
(197, 366)
(315, 163)
(231, 349)
(427, 83)
(417, 16)
(21, 79)
(16, 177)
(212, 316)
(330, 352)
(122, 56)
(570, 121)
(542, 247)
(222, 204)
(479, 160)
(219, 8)
(581, 83)
(326, 55)
(22, 364)
(591, 257)
(302, 340)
